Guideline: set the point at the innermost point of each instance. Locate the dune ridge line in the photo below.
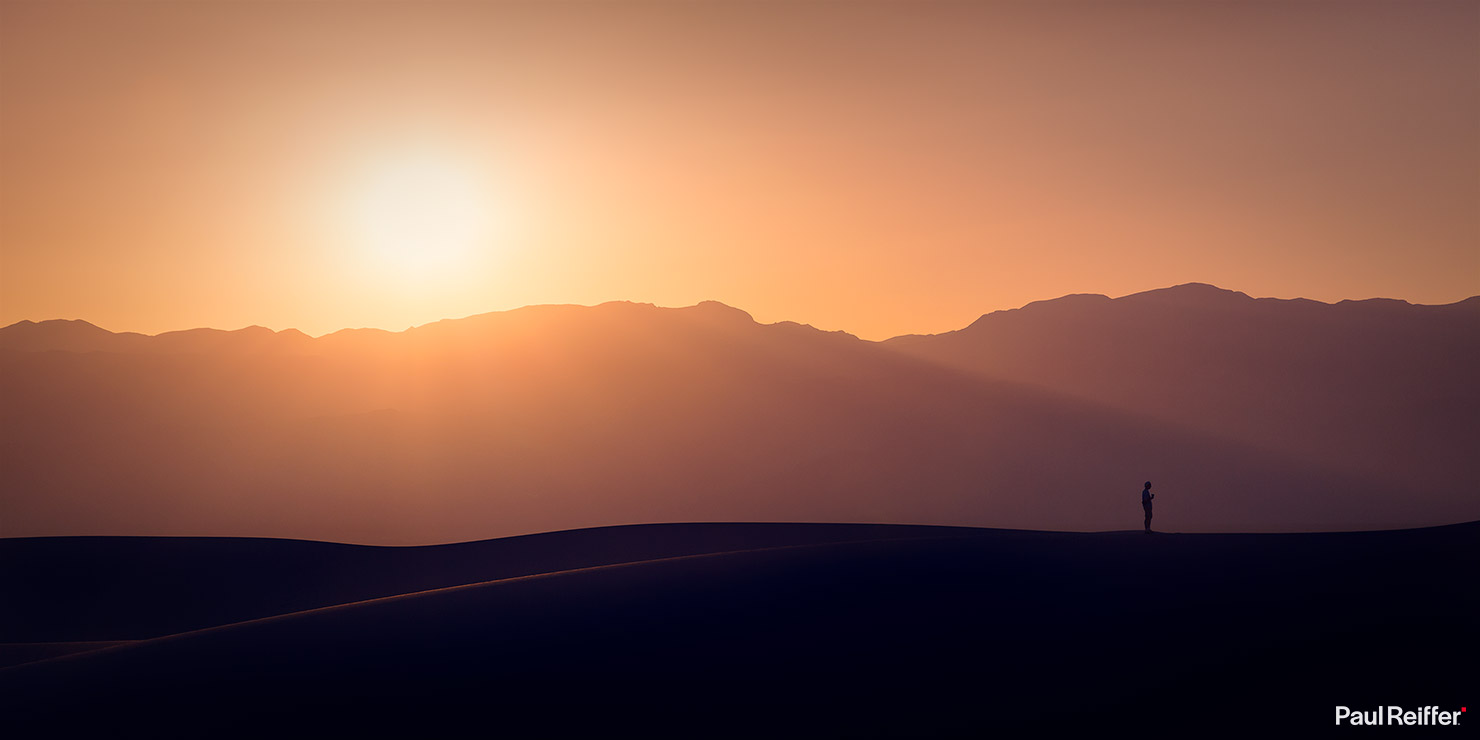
(474, 585)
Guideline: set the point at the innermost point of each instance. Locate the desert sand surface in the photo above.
(132, 588)
(748, 630)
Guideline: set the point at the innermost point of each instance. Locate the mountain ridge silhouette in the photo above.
(1251, 415)
(74, 334)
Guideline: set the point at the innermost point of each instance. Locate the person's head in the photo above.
(1148, 485)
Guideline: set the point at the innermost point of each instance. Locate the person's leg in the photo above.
(1148, 518)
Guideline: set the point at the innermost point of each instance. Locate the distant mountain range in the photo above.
(1248, 414)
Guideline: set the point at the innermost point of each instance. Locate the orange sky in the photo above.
(881, 169)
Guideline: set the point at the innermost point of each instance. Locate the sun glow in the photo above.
(421, 216)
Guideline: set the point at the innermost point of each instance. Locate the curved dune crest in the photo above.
(952, 632)
(132, 588)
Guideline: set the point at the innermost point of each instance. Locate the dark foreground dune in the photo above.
(793, 630)
(65, 589)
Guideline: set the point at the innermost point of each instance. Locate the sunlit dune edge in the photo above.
(663, 642)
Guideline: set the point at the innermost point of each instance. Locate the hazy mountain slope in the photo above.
(558, 417)
(1380, 387)
(80, 336)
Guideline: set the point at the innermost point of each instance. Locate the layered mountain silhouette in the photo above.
(1379, 387)
(1249, 414)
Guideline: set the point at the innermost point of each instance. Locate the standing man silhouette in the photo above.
(1146, 496)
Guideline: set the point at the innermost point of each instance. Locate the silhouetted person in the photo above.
(1146, 496)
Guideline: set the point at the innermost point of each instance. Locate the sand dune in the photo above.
(131, 588)
(16, 653)
(968, 631)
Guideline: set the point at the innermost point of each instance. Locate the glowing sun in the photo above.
(421, 214)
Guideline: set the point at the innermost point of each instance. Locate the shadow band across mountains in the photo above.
(1251, 415)
(792, 630)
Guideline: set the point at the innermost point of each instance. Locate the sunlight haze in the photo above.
(876, 168)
